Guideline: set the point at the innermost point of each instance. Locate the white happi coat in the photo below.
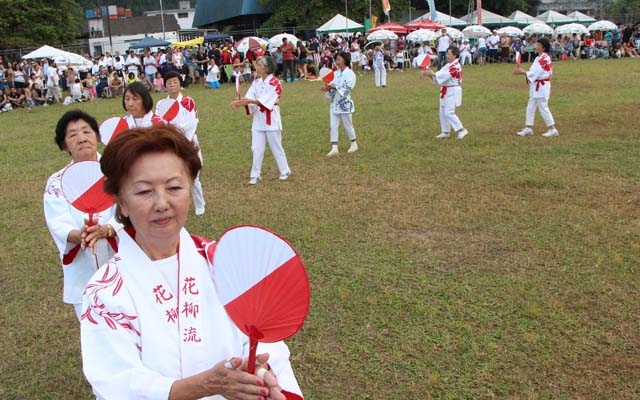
(449, 77)
(267, 91)
(539, 77)
(77, 265)
(341, 102)
(148, 323)
(187, 119)
(148, 120)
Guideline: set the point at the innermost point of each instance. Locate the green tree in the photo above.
(33, 23)
(625, 7)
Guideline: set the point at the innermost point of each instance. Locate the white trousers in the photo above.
(449, 119)
(347, 124)
(542, 105)
(258, 141)
(465, 56)
(196, 190)
(380, 76)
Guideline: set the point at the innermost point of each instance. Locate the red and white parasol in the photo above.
(326, 74)
(168, 110)
(112, 127)
(262, 284)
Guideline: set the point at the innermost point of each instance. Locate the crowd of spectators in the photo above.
(30, 83)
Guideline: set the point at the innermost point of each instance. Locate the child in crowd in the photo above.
(131, 77)
(76, 90)
(90, 84)
(158, 83)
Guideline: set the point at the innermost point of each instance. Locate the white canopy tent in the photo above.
(488, 18)
(551, 17)
(340, 23)
(45, 51)
(581, 17)
(444, 19)
(523, 19)
(61, 57)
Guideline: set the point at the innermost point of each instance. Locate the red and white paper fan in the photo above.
(81, 185)
(111, 127)
(168, 110)
(326, 74)
(262, 284)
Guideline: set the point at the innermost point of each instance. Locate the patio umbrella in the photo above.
(454, 33)
(423, 24)
(510, 31)
(422, 35)
(390, 26)
(570, 29)
(276, 41)
(602, 25)
(371, 44)
(249, 43)
(538, 28)
(382, 34)
(475, 31)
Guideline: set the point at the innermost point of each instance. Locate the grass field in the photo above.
(494, 267)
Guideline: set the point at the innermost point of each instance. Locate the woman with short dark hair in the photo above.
(78, 134)
(137, 101)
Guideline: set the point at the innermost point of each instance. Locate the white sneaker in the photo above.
(443, 136)
(353, 148)
(254, 181)
(200, 211)
(462, 134)
(284, 177)
(525, 132)
(333, 152)
(551, 132)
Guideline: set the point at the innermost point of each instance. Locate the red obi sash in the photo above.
(540, 82)
(265, 110)
(443, 90)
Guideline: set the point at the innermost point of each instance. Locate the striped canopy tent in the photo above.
(523, 19)
(551, 17)
(444, 19)
(390, 26)
(423, 24)
(488, 19)
(581, 17)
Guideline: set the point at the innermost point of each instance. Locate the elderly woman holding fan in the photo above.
(83, 244)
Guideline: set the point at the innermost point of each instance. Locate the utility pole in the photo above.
(164, 37)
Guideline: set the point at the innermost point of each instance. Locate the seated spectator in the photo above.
(76, 90)
(158, 83)
(89, 82)
(116, 85)
(5, 105)
(16, 97)
(102, 82)
(146, 82)
(37, 95)
(399, 59)
(131, 77)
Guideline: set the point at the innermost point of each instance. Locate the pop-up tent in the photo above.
(551, 17)
(45, 51)
(340, 23)
(523, 19)
(488, 18)
(149, 42)
(444, 19)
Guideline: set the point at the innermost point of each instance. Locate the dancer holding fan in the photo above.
(185, 119)
(261, 100)
(83, 244)
(155, 324)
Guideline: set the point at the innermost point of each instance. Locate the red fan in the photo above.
(168, 109)
(262, 284)
(111, 128)
(81, 185)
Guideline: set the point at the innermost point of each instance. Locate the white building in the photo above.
(184, 14)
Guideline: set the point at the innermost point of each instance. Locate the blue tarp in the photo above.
(149, 42)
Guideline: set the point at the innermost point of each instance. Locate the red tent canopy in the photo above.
(423, 24)
(390, 26)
